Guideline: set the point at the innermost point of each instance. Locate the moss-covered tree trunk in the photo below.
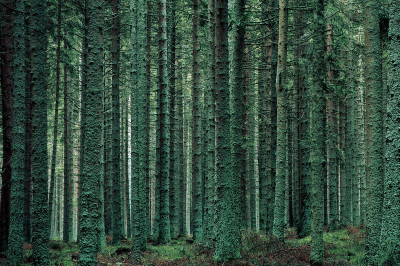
(6, 79)
(180, 163)
(163, 131)
(197, 188)
(15, 252)
(52, 205)
(251, 103)
(227, 244)
(101, 235)
(91, 168)
(332, 135)
(304, 221)
(281, 146)
(40, 214)
(68, 157)
(390, 236)
(116, 135)
(209, 180)
(264, 120)
(374, 128)
(147, 109)
(28, 131)
(139, 212)
(173, 202)
(238, 105)
(317, 109)
(272, 44)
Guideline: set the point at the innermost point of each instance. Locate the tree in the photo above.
(163, 177)
(52, 204)
(174, 175)
(139, 214)
(281, 148)
(238, 116)
(390, 235)
(15, 252)
(209, 180)
(317, 109)
(91, 168)
(197, 180)
(116, 136)
(68, 158)
(227, 245)
(40, 214)
(374, 128)
(6, 79)
(332, 135)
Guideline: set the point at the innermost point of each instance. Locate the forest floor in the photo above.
(342, 247)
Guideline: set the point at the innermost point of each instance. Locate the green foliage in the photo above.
(389, 255)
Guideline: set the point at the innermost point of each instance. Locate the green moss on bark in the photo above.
(15, 253)
(317, 158)
(40, 220)
(374, 130)
(91, 168)
(227, 244)
(390, 236)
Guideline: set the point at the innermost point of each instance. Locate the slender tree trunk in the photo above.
(264, 117)
(197, 211)
(317, 158)
(374, 128)
(391, 213)
(180, 148)
(273, 30)
(238, 116)
(55, 126)
(140, 229)
(28, 136)
(68, 160)
(209, 152)
(303, 192)
(15, 251)
(172, 87)
(6, 79)
(281, 146)
(163, 133)
(40, 213)
(332, 136)
(148, 89)
(116, 136)
(89, 183)
(227, 245)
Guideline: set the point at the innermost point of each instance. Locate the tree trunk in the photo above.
(116, 136)
(40, 213)
(15, 251)
(374, 128)
(6, 79)
(391, 213)
(332, 136)
(89, 182)
(227, 245)
(317, 157)
(163, 131)
(281, 146)
(52, 201)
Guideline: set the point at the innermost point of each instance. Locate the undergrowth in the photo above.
(342, 247)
